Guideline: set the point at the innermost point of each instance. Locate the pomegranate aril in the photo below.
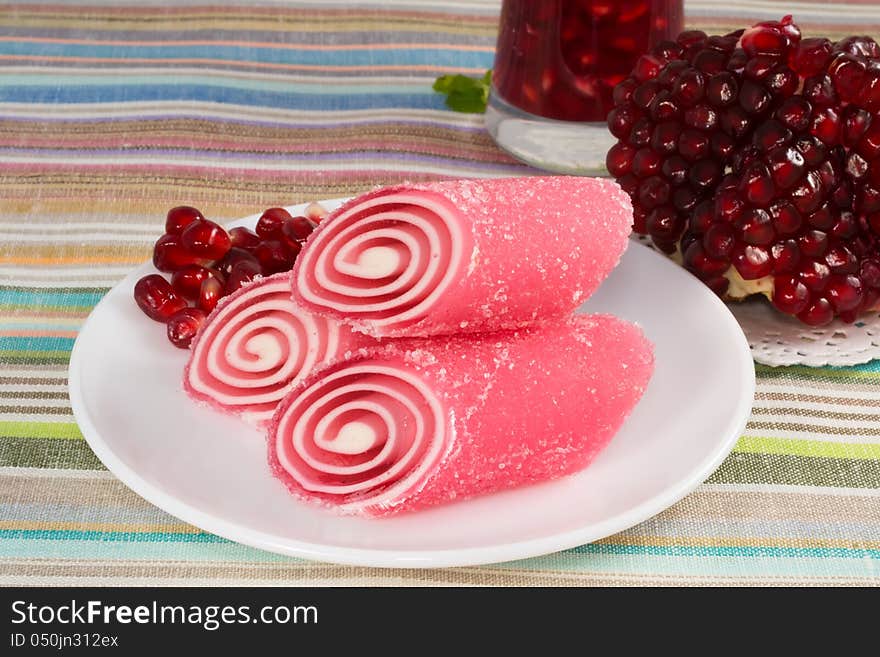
(619, 159)
(621, 120)
(719, 241)
(184, 325)
(722, 89)
(786, 218)
(844, 292)
(270, 222)
(244, 238)
(654, 191)
(752, 262)
(664, 139)
(753, 98)
(242, 273)
(818, 313)
(233, 257)
(188, 281)
(180, 217)
(689, 87)
(790, 295)
(646, 163)
(786, 256)
(211, 290)
(665, 224)
(155, 296)
(811, 56)
(814, 275)
(169, 255)
(794, 113)
(840, 260)
(274, 256)
(813, 243)
(698, 261)
(206, 239)
(693, 145)
(756, 227)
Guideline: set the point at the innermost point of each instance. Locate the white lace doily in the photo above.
(777, 339)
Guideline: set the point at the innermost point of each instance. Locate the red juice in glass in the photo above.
(559, 60)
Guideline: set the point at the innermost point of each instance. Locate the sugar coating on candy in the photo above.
(418, 422)
(463, 255)
(256, 345)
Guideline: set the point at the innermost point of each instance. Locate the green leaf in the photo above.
(464, 93)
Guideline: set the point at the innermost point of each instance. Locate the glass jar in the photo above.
(556, 64)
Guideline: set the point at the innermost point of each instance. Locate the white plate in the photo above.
(210, 470)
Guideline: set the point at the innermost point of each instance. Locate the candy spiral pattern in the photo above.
(361, 437)
(256, 346)
(386, 259)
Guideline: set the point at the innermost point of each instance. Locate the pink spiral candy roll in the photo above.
(419, 422)
(464, 255)
(256, 345)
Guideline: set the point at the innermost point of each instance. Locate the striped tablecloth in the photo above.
(112, 112)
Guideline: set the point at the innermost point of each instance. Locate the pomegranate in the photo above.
(752, 156)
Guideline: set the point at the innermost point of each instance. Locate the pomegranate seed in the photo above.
(654, 191)
(169, 255)
(753, 98)
(814, 275)
(270, 222)
(644, 94)
(813, 243)
(698, 261)
(665, 224)
(179, 218)
(794, 113)
(184, 325)
(689, 88)
(752, 262)
(786, 218)
(663, 140)
(206, 239)
(840, 260)
(242, 273)
(818, 313)
(155, 296)
(188, 281)
(811, 56)
(243, 238)
(647, 67)
(790, 296)
(693, 145)
(274, 256)
(646, 163)
(233, 257)
(786, 166)
(756, 227)
(684, 199)
(621, 120)
(848, 76)
(719, 241)
(786, 256)
(210, 292)
(844, 292)
(722, 90)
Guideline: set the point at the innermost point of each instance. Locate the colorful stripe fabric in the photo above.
(111, 112)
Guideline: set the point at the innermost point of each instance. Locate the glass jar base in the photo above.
(572, 147)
